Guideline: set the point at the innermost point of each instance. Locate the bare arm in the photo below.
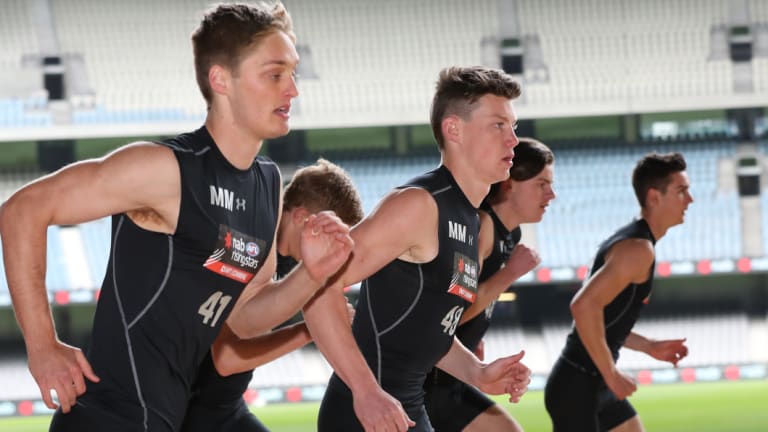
(137, 177)
(505, 375)
(670, 350)
(637, 342)
(233, 355)
(522, 260)
(628, 262)
(325, 244)
(412, 213)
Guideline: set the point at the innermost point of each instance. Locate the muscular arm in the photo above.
(670, 350)
(628, 262)
(522, 260)
(138, 177)
(403, 226)
(232, 354)
(637, 342)
(325, 244)
(505, 375)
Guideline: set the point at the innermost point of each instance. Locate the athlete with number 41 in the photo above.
(193, 226)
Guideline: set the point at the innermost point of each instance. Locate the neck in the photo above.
(474, 189)
(658, 229)
(237, 145)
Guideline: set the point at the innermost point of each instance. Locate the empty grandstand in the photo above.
(604, 82)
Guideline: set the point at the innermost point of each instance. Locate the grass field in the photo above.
(701, 407)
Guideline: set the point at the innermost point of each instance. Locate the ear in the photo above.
(451, 126)
(653, 197)
(299, 215)
(218, 78)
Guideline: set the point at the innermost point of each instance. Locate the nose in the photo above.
(513, 141)
(293, 88)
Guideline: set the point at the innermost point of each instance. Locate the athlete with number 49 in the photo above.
(417, 255)
(453, 405)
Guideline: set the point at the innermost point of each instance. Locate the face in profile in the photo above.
(674, 201)
(264, 85)
(489, 137)
(530, 198)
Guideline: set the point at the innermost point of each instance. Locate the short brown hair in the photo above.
(653, 171)
(459, 88)
(324, 186)
(228, 31)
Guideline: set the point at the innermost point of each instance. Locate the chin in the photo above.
(278, 133)
(502, 177)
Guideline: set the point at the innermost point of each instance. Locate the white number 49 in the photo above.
(451, 320)
(213, 307)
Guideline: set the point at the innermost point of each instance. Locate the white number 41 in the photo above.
(213, 307)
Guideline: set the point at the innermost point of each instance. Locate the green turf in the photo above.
(701, 407)
(25, 424)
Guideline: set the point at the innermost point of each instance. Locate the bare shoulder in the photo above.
(134, 177)
(408, 202)
(142, 155)
(147, 178)
(634, 256)
(404, 225)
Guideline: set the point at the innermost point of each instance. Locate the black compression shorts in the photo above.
(579, 401)
(451, 407)
(337, 412)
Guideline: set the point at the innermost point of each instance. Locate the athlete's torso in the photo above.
(216, 397)
(407, 313)
(620, 314)
(165, 297)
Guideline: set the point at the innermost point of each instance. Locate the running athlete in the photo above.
(453, 405)
(193, 226)
(417, 256)
(585, 391)
(217, 403)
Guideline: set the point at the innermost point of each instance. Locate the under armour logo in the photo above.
(240, 204)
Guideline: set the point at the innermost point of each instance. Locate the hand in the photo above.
(672, 350)
(479, 352)
(378, 411)
(506, 375)
(522, 260)
(60, 367)
(621, 384)
(325, 245)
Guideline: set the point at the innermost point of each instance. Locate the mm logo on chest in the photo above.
(224, 198)
(457, 231)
